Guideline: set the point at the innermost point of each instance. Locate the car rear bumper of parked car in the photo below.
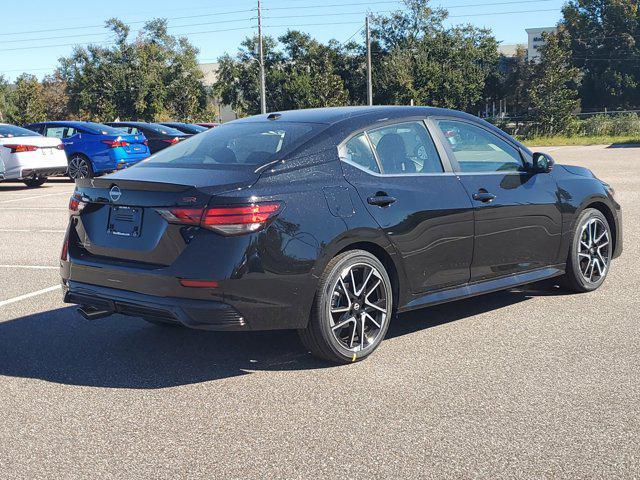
(42, 172)
(98, 302)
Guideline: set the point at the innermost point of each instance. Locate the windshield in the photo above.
(234, 144)
(10, 131)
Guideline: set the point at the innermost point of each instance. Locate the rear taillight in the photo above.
(171, 141)
(118, 142)
(60, 146)
(76, 204)
(64, 254)
(21, 148)
(146, 143)
(227, 220)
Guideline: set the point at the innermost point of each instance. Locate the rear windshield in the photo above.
(100, 129)
(163, 129)
(10, 131)
(234, 144)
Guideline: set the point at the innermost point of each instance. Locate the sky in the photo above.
(38, 32)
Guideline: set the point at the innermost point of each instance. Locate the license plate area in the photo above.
(125, 221)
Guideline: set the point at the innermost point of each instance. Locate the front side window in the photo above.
(405, 148)
(477, 150)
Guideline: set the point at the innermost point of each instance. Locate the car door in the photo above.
(416, 199)
(518, 222)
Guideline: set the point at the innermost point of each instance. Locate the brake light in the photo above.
(199, 283)
(146, 143)
(227, 220)
(171, 141)
(64, 254)
(76, 205)
(21, 148)
(60, 146)
(118, 142)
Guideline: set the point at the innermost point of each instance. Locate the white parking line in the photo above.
(34, 267)
(34, 197)
(28, 295)
(18, 230)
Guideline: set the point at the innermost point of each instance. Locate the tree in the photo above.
(417, 58)
(554, 94)
(55, 98)
(5, 90)
(154, 77)
(300, 73)
(604, 38)
(27, 101)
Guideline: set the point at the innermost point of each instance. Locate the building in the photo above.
(210, 71)
(536, 41)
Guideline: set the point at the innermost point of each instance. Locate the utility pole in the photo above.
(369, 85)
(263, 86)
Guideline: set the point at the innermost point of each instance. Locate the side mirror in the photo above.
(542, 162)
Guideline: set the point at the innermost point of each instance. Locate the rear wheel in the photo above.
(35, 182)
(80, 167)
(352, 309)
(590, 253)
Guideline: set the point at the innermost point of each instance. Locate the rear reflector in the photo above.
(64, 254)
(199, 283)
(227, 220)
(21, 148)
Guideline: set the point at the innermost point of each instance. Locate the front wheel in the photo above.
(80, 167)
(35, 182)
(590, 254)
(352, 309)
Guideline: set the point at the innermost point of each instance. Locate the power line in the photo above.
(504, 13)
(354, 34)
(126, 23)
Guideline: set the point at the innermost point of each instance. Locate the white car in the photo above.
(30, 157)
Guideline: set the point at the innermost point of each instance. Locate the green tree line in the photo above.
(592, 62)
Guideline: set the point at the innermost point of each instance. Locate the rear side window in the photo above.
(59, 132)
(358, 151)
(11, 131)
(406, 148)
(235, 144)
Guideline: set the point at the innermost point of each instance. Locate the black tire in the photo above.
(574, 279)
(78, 164)
(162, 323)
(319, 337)
(35, 182)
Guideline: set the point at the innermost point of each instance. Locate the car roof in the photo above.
(135, 124)
(331, 115)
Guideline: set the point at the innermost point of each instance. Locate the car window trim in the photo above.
(451, 153)
(444, 158)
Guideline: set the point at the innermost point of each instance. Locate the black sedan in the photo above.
(159, 136)
(189, 128)
(330, 222)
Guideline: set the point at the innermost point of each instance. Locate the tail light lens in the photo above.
(76, 205)
(227, 220)
(60, 146)
(146, 142)
(21, 148)
(118, 142)
(171, 141)
(64, 254)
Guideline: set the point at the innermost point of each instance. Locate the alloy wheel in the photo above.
(78, 168)
(359, 307)
(594, 251)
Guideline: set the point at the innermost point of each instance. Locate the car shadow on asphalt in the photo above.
(121, 352)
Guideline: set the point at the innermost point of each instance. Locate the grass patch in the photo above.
(557, 141)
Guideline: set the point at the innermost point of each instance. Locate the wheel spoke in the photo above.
(372, 320)
(346, 292)
(584, 255)
(353, 333)
(340, 310)
(373, 289)
(600, 269)
(373, 305)
(343, 323)
(364, 284)
(362, 332)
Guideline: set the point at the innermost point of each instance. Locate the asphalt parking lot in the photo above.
(518, 384)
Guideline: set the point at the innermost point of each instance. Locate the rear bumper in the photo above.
(197, 314)
(42, 172)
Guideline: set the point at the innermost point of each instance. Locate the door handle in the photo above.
(381, 199)
(483, 196)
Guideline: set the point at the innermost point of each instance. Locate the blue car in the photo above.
(94, 149)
